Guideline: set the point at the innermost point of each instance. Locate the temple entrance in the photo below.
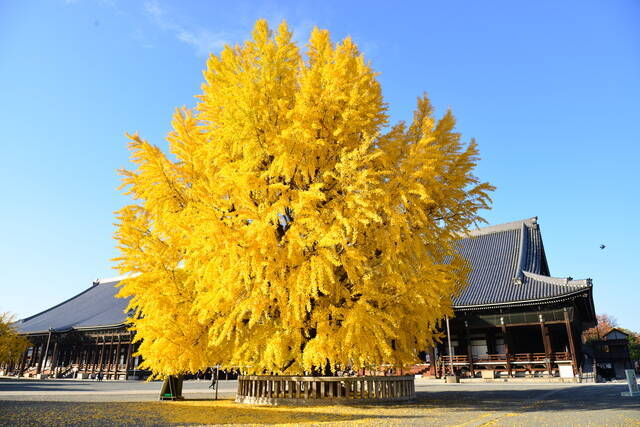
(559, 339)
(525, 339)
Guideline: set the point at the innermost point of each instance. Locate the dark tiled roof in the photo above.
(502, 273)
(616, 330)
(96, 307)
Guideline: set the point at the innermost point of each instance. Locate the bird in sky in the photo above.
(602, 246)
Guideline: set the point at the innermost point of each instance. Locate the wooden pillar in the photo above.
(100, 363)
(35, 356)
(86, 361)
(54, 358)
(87, 357)
(23, 361)
(109, 355)
(127, 360)
(544, 329)
(572, 345)
(98, 352)
(469, 348)
(89, 360)
(81, 351)
(96, 355)
(117, 364)
(94, 360)
(507, 346)
(40, 359)
(33, 361)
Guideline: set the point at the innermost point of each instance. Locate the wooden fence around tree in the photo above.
(274, 390)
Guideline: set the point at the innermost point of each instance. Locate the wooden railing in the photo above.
(528, 358)
(529, 363)
(491, 358)
(257, 389)
(512, 358)
(455, 359)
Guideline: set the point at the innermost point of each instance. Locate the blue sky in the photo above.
(549, 89)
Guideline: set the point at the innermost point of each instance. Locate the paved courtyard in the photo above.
(62, 402)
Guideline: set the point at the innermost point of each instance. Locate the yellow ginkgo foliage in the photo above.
(12, 345)
(291, 229)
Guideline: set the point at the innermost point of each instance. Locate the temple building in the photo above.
(610, 354)
(513, 319)
(82, 337)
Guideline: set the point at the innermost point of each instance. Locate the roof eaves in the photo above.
(84, 328)
(77, 328)
(46, 331)
(522, 302)
(560, 281)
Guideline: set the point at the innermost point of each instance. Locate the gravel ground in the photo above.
(62, 402)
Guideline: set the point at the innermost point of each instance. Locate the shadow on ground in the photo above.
(577, 398)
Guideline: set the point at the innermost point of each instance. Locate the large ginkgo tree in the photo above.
(291, 228)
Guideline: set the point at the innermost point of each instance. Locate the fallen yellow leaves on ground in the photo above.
(227, 411)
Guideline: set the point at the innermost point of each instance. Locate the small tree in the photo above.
(292, 231)
(604, 323)
(12, 345)
(634, 346)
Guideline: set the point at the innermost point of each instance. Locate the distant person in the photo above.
(100, 376)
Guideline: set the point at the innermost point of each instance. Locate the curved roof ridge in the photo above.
(507, 226)
(562, 281)
(535, 300)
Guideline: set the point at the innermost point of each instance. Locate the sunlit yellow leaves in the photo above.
(292, 232)
(12, 345)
